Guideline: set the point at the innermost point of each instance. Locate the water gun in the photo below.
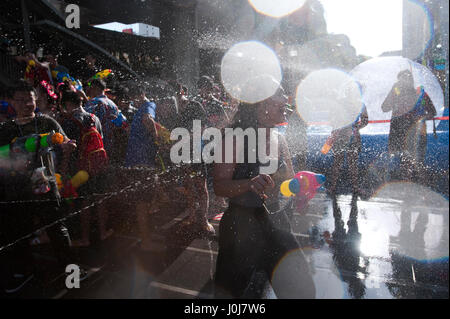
(31, 143)
(120, 120)
(163, 134)
(69, 188)
(30, 65)
(36, 73)
(29, 75)
(304, 186)
(62, 77)
(101, 75)
(162, 140)
(328, 144)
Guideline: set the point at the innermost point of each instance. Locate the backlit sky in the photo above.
(373, 26)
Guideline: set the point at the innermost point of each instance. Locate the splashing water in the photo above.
(331, 96)
(276, 9)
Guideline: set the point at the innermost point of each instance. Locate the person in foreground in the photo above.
(254, 233)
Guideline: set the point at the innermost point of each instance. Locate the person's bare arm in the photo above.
(223, 182)
(20, 59)
(44, 65)
(68, 146)
(83, 95)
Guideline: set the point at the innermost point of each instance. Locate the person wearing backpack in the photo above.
(17, 263)
(410, 107)
(110, 117)
(85, 128)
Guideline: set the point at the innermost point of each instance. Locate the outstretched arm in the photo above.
(430, 110)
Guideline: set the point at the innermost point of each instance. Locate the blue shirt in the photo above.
(107, 111)
(141, 145)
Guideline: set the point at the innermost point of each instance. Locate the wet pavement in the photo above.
(394, 245)
(391, 249)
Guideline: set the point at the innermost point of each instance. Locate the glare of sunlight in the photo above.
(250, 72)
(373, 243)
(373, 26)
(329, 95)
(276, 9)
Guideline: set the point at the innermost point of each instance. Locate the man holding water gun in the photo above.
(18, 219)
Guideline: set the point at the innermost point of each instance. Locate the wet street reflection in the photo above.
(386, 247)
(391, 246)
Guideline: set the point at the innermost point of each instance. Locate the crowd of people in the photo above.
(106, 125)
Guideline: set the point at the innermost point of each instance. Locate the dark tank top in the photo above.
(250, 170)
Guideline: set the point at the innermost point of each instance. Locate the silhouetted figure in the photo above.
(347, 142)
(250, 240)
(410, 107)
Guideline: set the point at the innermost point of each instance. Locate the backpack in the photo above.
(93, 157)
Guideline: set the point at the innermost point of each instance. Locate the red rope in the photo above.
(439, 118)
